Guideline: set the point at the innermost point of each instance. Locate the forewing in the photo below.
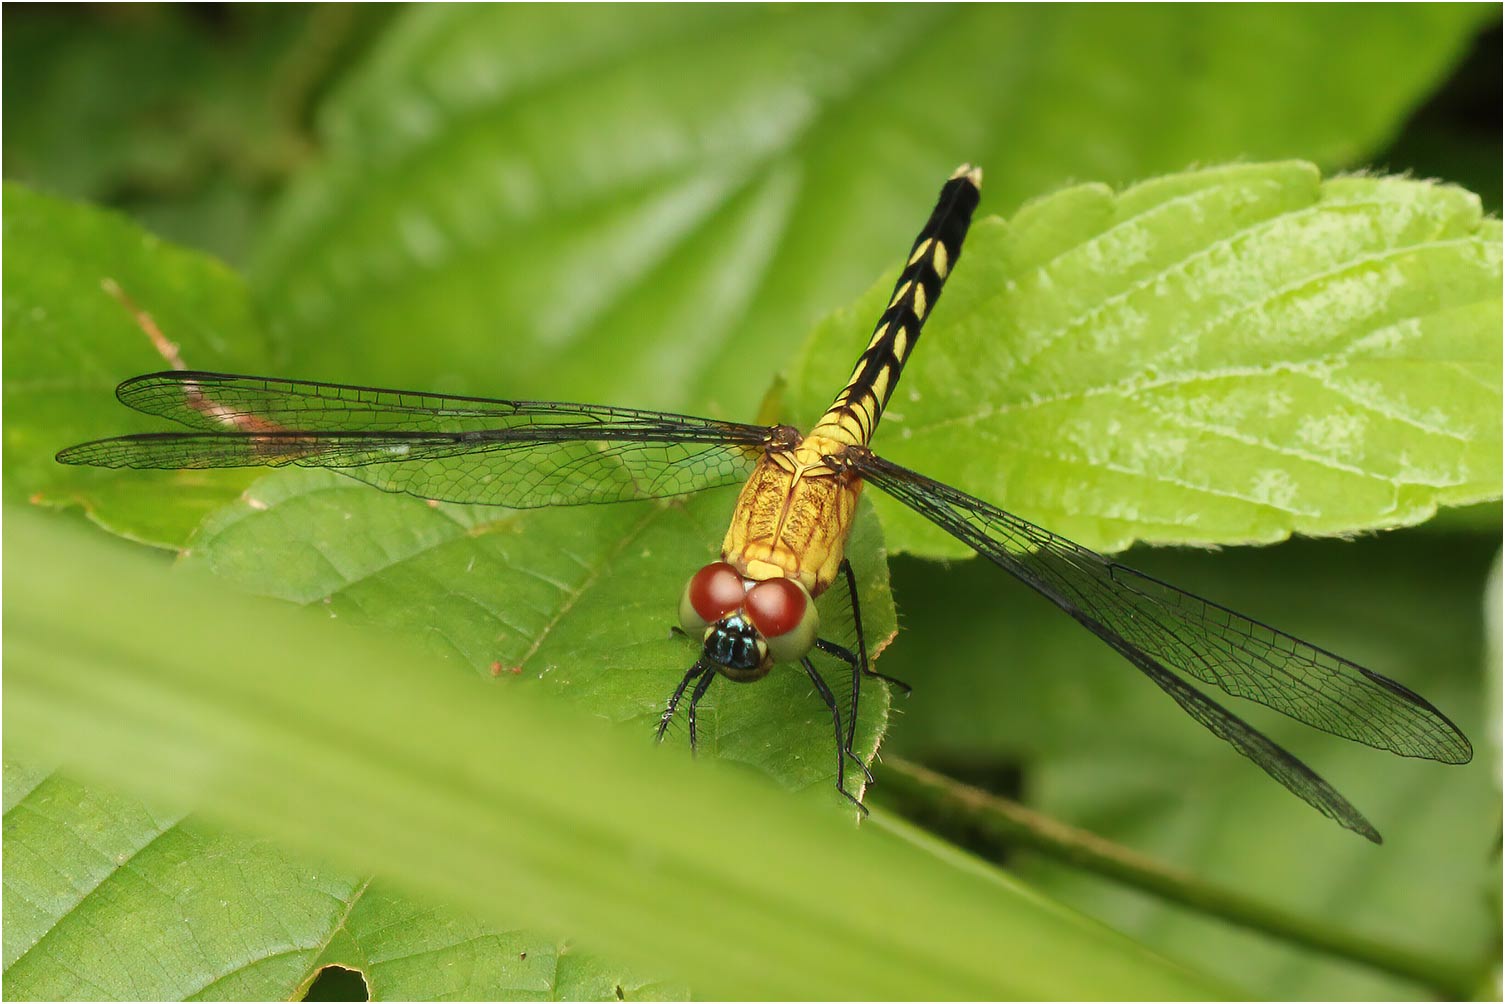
(514, 453)
(224, 402)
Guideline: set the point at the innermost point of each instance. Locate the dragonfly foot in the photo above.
(867, 774)
(853, 799)
(892, 681)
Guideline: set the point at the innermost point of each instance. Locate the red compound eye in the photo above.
(776, 606)
(715, 591)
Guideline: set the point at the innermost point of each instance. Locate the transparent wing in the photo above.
(1164, 630)
(458, 449)
(220, 402)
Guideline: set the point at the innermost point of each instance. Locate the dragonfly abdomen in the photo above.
(854, 414)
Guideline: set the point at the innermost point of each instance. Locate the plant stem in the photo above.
(1008, 824)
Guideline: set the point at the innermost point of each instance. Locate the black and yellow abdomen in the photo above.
(854, 414)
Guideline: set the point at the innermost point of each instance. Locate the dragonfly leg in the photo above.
(841, 751)
(700, 689)
(859, 663)
(700, 668)
(846, 570)
(847, 656)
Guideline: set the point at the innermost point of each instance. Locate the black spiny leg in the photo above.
(700, 689)
(846, 568)
(849, 657)
(860, 667)
(698, 669)
(841, 752)
(859, 664)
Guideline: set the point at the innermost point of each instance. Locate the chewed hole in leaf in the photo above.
(336, 983)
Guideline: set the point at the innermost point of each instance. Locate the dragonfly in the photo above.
(754, 608)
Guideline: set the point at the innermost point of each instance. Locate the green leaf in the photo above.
(653, 205)
(70, 340)
(415, 952)
(368, 754)
(198, 913)
(191, 911)
(1226, 356)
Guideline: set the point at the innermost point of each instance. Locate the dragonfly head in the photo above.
(748, 625)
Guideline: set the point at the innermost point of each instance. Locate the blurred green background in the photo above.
(654, 206)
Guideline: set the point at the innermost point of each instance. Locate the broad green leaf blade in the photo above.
(580, 600)
(502, 802)
(194, 913)
(190, 911)
(408, 951)
(69, 341)
(1024, 688)
(1226, 356)
(654, 204)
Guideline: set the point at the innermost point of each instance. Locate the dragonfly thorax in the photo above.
(748, 625)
